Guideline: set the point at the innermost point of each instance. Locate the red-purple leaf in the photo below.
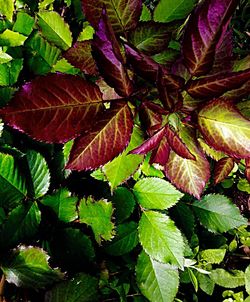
(150, 115)
(107, 139)
(123, 14)
(108, 57)
(222, 169)
(237, 94)
(54, 108)
(247, 170)
(204, 32)
(188, 175)
(225, 129)
(216, 85)
(80, 56)
(108, 93)
(160, 155)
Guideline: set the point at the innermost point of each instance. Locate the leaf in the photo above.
(228, 279)
(188, 175)
(4, 57)
(157, 281)
(222, 169)
(205, 28)
(22, 224)
(156, 193)
(11, 38)
(13, 185)
(214, 256)
(62, 204)
(81, 288)
(225, 129)
(7, 8)
(98, 215)
(125, 241)
(208, 150)
(247, 279)
(167, 10)
(24, 23)
(160, 238)
(124, 203)
(104, 141)
(39, 173)
(28, 267)
(123, 14)
(125, 165)
(55, 29)
(217, 213)
(205, 283)
(161, 154)
(108, 57)
(80, 56)
(216, 85)
(247, 169)
(74, 105)
(145, 14)
(10, 71)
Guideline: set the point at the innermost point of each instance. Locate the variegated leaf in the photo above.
(222, 169)
(161, 154)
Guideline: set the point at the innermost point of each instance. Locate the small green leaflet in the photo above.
(214, 256)
(7, 8)
(156, 193)
(28, 267)
(145, 14)
(232, 279)
(11, 38)
(217, 213)
(81, 288)
(247, 279)
(205, 283)
(98, 215)
(55, 29)
(4, 57)
(160, 238)
(24, 24)
(10, 71)
(157, 281)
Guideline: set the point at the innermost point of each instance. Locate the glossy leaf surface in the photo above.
(222, 169)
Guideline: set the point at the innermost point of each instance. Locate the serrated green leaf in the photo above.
(10, 71)
(157, 281)
(216, 155)
(247, 279)
(11, 38)
(87, 33)
(243, 185)
(4, 57)
(156, 193)
(28, 267)
(160, 238)
(125, 240)
(13, 185)
(64, 66)
(55, 29)
(232, 279)
(145, 14)
(214, 256)
(63, 204)
(98, 215)
(7, 8)
(81, 288)
(217, 213)
(24, 24)
(206, 283)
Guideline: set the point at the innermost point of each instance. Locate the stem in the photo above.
(2, 282)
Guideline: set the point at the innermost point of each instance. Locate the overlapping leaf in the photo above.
(161, 154)
(55, 108)
(222, 169)
(247, 170)
(206, 26)
(228, 279)
(225, 129)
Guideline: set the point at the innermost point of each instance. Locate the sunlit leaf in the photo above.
(11, 38)
(7, 8)
(214, 256)
(228, 279)
(247, 279)
(24, 23)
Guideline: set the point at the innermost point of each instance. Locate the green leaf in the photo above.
(28, 267)
(64, 66)
(193, 279)
(243, 185)
(157, 281)
(122, 167)
(55, 29)
(247, 279)
(6, 93)
(39, 172)
(62, 204)
(160, 238)
(4, 57)
(232, 279)
(145, 14)
(24, 24)
(12, 183)
(98, 215)
(125, 240)
(214, 256)
(7, 8)
(124, 204)
(87, 33)
(217, 213)
(10, 71)
(11, 38)
(205, 283)
(169, 10)
(22, 224)
(81, 288)
(156, 193)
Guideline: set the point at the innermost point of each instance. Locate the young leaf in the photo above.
(160, 238)
(214, 256)
(55, 29)
(217, 213)
(126, 239)
(7, 8)
(232, 279)
(225, 129)
(206, 27)
(222, 169)
(108, 57)
(98, 215)
(123, 14)
(11, 38)
(24, 24)
(74, 105)
(28, 267)
(145, 14)
(156, 193)
(157, 281)
(81, 288)
(62, 204)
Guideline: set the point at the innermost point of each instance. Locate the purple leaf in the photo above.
(222, 169)
(160, 155)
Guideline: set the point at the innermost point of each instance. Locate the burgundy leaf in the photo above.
(216, 85)
(109, 60)
(107, 139)
(108, 93)
(204, 32)
(237, 94)
(150, 115)
(80, 56)
(247, 171)
(160, 155)
(123, 14)
(222, 169)
(178, 68)
(54, 108)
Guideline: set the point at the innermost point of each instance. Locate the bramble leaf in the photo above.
(222, 169)
(214, 256)
(11, 38)
(228, 279)
(7, 8)
(24, 24)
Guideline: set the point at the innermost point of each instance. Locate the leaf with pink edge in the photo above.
(222, 169)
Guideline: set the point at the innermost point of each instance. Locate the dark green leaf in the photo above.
(206, 283)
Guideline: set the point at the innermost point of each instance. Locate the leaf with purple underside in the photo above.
(222, 169)
(160, 155)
